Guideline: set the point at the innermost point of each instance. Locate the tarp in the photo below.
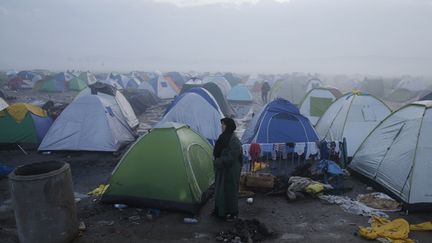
(397, 153)
(149, 176)
(89, 123)
(352, 116)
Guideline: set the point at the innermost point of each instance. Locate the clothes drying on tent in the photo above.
(3, 104)
(110, 92)
(22, 123)
(89, 123)
(317, 101)
(352, 116)
(279, 122)
(149, 176)
(397, 154)
(196, 112)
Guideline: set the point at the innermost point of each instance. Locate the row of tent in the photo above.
(394, 154)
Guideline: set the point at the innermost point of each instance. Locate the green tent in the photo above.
(50, 85)
(168, 168)
(23, 123)
(77, 84)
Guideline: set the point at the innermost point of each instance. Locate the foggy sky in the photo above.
(332, 36)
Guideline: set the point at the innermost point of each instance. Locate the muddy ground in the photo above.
(307, 220)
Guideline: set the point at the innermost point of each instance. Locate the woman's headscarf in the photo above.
(224, 139)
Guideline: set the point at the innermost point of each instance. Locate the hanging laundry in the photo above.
(299, 148)
(311, 149)
(255, 151)
(245, 149)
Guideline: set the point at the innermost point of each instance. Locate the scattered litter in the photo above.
(379, 201)
(351, 206)
(106, 222)
(393, 231)
(134, 218)
(120, 206)
(79, 196)
(99, 190)
(190, 220)
(298, 184)
(82, 226)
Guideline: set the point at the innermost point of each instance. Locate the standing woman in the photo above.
(227, 165)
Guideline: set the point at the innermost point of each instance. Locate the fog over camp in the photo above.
(383, 37)
(235, 121)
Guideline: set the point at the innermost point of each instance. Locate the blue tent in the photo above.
(239, 93)
(279, 122)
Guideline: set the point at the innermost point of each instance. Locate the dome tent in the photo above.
(89, 123)
(279, 122)
(23, 123)
(352, 116)
(148, 176)
(396, 154)
(317, 101)
(196, 112)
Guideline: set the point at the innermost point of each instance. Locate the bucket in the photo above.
(44, 203)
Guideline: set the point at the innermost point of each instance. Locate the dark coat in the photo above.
(227, 178)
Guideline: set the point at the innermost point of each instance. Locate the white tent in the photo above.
(194, 111)
(397, 153)
(220, 81)
(352, 116)
(3, 104)
(89, 123)
(316, 102)
(166, 89)
(125, 107)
